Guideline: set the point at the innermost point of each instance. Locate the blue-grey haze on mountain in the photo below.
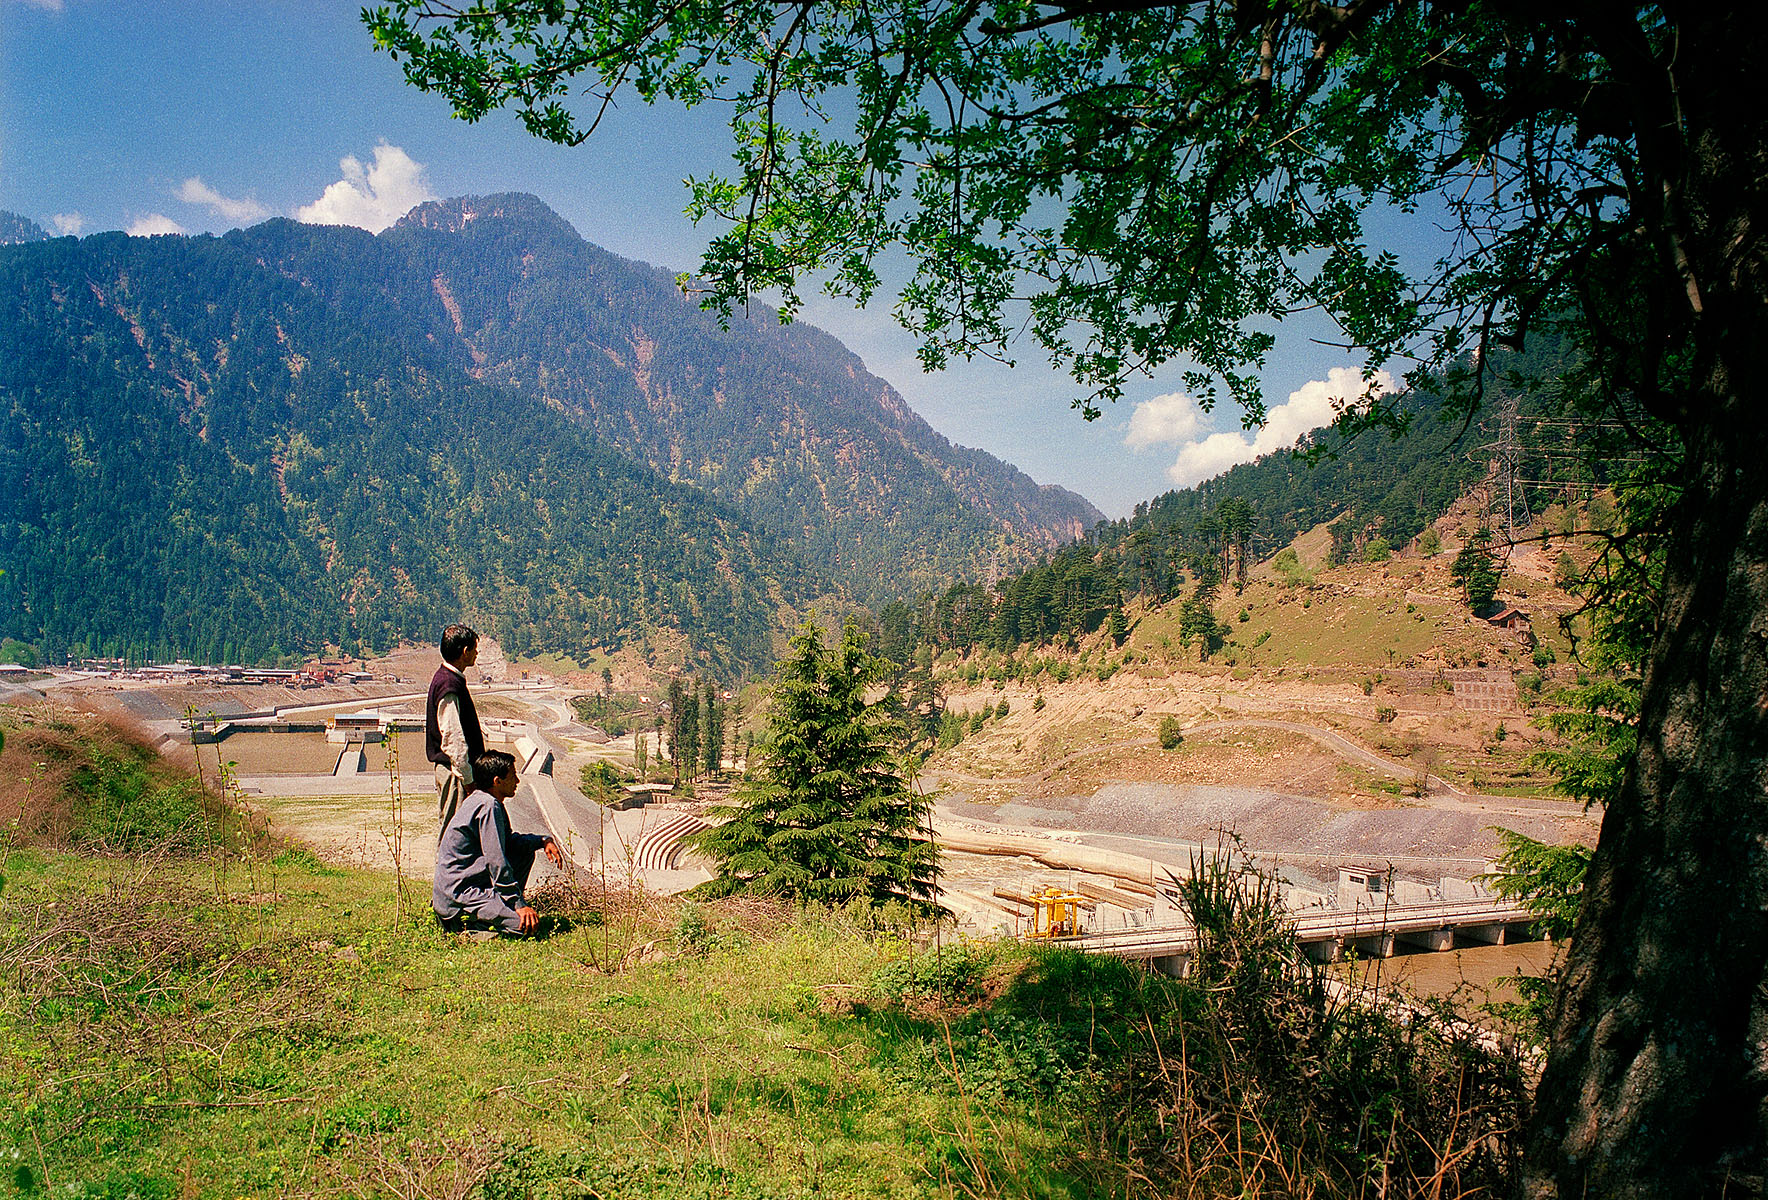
(205, 115)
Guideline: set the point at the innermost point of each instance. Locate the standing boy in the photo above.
(452, 737)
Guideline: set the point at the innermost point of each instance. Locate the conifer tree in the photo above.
(733, 726)
(1197, 620)
(677, 706)
(1476, 571)
(711, 732)
(690, 731)
(825, 814)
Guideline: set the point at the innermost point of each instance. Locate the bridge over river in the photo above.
(1327, 934)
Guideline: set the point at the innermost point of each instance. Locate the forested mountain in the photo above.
(1373, 483)
(16, 230)
(781, 421)
(251, 445)
(1363, 486)
(202, 455)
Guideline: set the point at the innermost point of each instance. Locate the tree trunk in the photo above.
(1657, 1073)
(1656, 1077)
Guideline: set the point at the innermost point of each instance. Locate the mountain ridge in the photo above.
(16, 230)
(202, 454)
(633, 392)
(295, 435)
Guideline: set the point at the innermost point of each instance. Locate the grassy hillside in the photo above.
(1363, 648)
(263, 1024)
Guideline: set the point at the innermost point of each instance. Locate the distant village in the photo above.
(317, 674)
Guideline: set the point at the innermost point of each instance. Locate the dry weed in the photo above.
(438, 1167)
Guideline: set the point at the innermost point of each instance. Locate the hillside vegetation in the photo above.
(293, 436)
(1356, 495)
(203, 456)
(258, 1022)
(780, 420)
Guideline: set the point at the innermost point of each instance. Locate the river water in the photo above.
(1473, 974)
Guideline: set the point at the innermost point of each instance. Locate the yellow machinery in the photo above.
(1056, 913)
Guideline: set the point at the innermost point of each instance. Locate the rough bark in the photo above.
(1657, 1075)
(1656, 1080)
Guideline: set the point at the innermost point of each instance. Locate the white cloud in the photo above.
(371, 197)
(153, 223)
(195, 191)
(68, 224)
(54, 6)
(1164, 420)
(1310, 406)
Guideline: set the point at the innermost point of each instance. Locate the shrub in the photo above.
(1172, 734)
(1288, 564)
(954, 974)
(1037, 704)
(600, 781)
(125, 803)
(23, 653)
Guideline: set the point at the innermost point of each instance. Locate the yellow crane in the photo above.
(1056, 912)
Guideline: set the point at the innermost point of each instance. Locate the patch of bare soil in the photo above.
(295, 754)
(359, 831)
(502, 706)
(1270, 758)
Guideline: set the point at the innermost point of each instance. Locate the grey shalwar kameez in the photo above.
(482, 866)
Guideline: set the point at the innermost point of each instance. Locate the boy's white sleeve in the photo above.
(454, 739)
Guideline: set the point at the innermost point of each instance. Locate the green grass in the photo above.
(1322, 626)
(273, 1027)
(291, 1034)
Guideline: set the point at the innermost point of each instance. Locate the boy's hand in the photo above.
(530, 920)
(553, 852)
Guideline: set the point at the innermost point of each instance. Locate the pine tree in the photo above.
(690, 731)
(733, 725)
(1197, 622)
(825, 813)
(1476, 570)
(677, 707)
(711, 733)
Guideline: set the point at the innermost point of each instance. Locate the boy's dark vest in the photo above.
(451, 683)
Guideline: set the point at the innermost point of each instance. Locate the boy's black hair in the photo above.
(457, 640)
(491, 764)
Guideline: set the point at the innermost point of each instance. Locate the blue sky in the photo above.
(202, 115)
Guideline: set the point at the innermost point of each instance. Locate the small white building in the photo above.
(364, 726)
